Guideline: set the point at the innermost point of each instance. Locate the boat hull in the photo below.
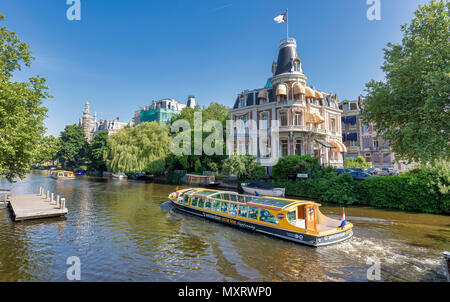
(263, 192)
(297, 237)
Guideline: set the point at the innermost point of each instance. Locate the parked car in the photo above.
(360, 176)
(373, 171)
(389, 171)
(340, 171)
(357, 169)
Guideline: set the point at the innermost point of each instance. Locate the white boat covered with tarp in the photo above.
(260, 188)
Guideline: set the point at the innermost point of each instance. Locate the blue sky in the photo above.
(124, 54)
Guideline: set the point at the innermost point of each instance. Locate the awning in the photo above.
(262, 94)
(314, 118)
(298, 89)
(281, 89)
(325, 144)
(318, 95)
(309, 93)
(339, 147)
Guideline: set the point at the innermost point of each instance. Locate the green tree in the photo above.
(21, 111)
(139, 149)
(48, 150)
(244, 167)
(294, 164)
(359, 162)
(96, 150)
(73, 145)
(411, 107)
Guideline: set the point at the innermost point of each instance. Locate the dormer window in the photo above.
(296, 66)
(242, 101)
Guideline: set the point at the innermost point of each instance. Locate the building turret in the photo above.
(191, 101)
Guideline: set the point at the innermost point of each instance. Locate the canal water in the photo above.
(123, 231)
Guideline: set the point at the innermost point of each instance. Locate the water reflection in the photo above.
(122, 231)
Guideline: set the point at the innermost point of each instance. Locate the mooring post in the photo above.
(63, 204)
(57, 200)
(51, 199)
(47, 195)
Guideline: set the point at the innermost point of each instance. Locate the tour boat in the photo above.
(294, 220)
(262, 189)
(60, 174)
(200, 180)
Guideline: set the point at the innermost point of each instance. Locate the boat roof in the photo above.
(264, 201)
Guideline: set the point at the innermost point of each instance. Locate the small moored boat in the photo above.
(262, 189)
(119, 175)
(294, 220)
(60, 174)
(200, 180)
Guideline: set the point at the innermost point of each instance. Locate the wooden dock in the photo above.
(35, 206)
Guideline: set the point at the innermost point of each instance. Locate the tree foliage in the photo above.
(48, 149)
(294, 164)
(73, 145)
(97, 148)
(411, 108)
(139, 149)
(21, 110)
(244, 167)
(359, 162)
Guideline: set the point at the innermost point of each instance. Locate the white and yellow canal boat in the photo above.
(60, 174)
(294, 220)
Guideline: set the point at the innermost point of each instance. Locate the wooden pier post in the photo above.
(52, 196)
(57, 200)
(63, 203)
(47, 195)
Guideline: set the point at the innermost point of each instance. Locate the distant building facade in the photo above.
(161, 111)
(362, 140)
(91, 126)
(309, 119)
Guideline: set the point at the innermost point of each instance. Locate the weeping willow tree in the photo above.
(139, 149)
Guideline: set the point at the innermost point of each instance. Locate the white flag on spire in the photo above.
(281, 18)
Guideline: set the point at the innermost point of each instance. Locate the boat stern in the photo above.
(338, 235)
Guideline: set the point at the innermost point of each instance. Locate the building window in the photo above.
(353, 106)
(283, 119)
(284, 148)
(375, 144)
(298, 119)
(242, 101)
(366, 128)
(333, 125)
(298, 147)
(297, 66)
(376, 158)
(353, 143)
(346, 107)
(366, 143)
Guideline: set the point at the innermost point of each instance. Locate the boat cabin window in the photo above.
(201, 202)
(291, 216)
(233, 197)
(266, 216)
(253, 213)
(60, 174)
(224, 207)
(243, 211)
(66, 174)
(241, 198)
(185, 199)
(216, 206)
(208, 204)
(225, 196)
(233, 209)
(194, 201)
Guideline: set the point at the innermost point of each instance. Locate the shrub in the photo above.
(294, 164)
(405, 192)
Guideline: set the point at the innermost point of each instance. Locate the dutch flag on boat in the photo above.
(343, 221)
